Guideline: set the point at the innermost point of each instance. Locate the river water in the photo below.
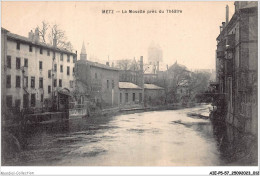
(158, 138)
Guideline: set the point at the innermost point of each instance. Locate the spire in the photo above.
(83, 49)
(83, 54)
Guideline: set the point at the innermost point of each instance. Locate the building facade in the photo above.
(101, 81)
(33, 71)
(154, 95)
(237, 54)
(130, 94)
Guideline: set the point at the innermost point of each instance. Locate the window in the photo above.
(40, 50)
(140, 97)
(8, 81)
(32, 82)
(55, 83)
(74, 59)
(25, 81)
(41, 97)
(49, 73)
(120, 97)
(55, 67)
(40, 83)
(48, 52)
(61, 68)
(68, 58)
(49, 89)
(18, 81)
(61, 57)
(30, 48)
(33, 100)
(9, 101)
(40, 65)
(107, 84)
(133, 96)
(17, 103)
(126, 97)
(9, 62)
(73, 70)
(25, 62)
(71, 84)
(95, 75)
(18, 45)
(18, 63)
(68, 70)
(113, 84)
(25, 100)
(60, 83)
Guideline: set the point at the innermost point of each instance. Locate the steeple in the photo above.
(83, 54)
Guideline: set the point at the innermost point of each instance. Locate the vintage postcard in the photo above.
(122, 83)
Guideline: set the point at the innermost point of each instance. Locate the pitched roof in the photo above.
(27, 40)
(97, 65)
(152, 86)
(128, 85)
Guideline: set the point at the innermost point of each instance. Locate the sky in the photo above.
(188, 37)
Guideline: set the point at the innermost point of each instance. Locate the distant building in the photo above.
(130, 94)
(101, 81)
(237, 66)
(33, 72)
(154, 95)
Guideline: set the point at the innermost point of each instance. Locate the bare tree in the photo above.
(43, 30)
(49, 32)
(124, 64)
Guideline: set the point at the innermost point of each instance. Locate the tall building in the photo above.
(33, 71)
(237, 53)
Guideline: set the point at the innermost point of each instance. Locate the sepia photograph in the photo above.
(120, 83)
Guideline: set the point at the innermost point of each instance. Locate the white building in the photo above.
(33, 71)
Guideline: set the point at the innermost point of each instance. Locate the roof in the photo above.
(27, 40)
(152, 86)
(128, 85)
(98, 65)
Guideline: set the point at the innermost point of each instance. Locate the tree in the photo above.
(50, 32)
(43, 29)
(198, 83)
(171, 80)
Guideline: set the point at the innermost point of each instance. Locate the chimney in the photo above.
(31, 35)
(55, 42)
(141, 63)
(107, 63)
(167, 67)
(158, 67)
(36, 35)
(227, 14)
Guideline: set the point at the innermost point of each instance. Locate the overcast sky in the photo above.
(188, 37)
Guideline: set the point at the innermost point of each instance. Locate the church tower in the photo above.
(83, 54)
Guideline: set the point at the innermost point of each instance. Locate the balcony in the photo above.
(230, 42)
(221, 49)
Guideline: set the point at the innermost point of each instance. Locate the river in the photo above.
(156, 138)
